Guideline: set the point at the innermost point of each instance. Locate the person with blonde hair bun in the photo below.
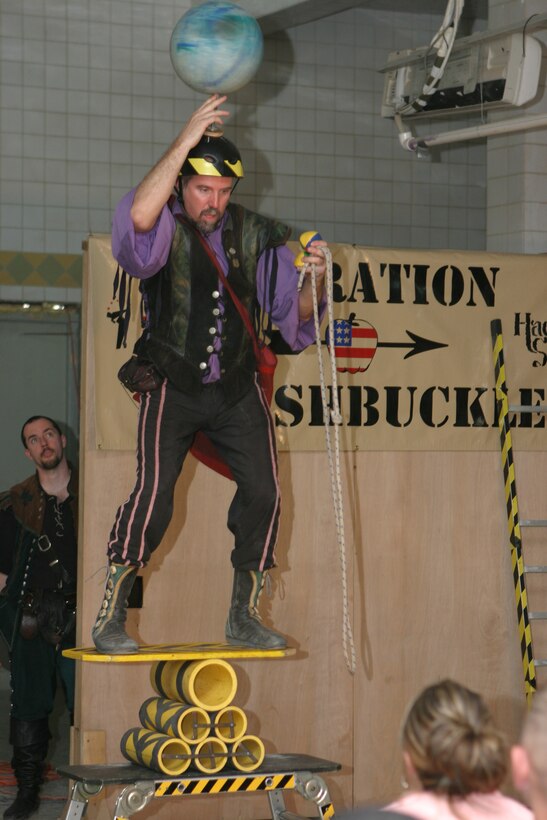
(455, 759)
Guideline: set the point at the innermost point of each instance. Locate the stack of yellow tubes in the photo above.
(192, 722)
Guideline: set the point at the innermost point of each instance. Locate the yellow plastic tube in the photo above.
(210, 756)
(229, 724)
(210, 684)
(247, 753)
(177, 719)
(157, 751)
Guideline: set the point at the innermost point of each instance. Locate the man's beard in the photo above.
(52, 463)
(205, 226)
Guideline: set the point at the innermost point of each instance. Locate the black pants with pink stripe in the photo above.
(243, 435)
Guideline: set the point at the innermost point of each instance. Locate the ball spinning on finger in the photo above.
(216, 47)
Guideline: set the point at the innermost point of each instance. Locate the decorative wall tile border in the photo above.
(63, 270)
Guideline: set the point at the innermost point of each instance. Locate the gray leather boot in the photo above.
(244, 627)
(109, 635)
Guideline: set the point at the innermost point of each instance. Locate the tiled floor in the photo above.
(54, 792)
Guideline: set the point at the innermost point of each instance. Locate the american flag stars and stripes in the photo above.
(355, 343)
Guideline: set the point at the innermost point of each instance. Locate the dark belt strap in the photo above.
(44, 544)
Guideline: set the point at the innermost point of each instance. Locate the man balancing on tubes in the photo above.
(198, 342)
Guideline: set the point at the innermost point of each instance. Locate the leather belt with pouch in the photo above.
(48, 612)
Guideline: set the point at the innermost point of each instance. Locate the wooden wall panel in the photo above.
(434, 598)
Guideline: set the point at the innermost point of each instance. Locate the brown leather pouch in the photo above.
(28, 628)
(139, 375)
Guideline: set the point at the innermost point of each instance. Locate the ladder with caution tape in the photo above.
(520, 569)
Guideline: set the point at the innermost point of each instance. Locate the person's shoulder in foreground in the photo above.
(373, 813)
(428, 806)
(529, 757)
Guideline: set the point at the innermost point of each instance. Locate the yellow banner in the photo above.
(413, 352)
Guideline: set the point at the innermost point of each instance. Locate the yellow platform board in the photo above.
(177, 652)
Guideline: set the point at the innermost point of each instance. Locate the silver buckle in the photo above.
(46, 541)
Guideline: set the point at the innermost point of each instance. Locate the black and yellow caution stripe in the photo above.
(513, 522)
(223, 785)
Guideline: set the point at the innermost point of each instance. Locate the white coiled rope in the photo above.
(333, 453)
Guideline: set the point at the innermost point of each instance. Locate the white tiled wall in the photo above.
(32, 293)
(90, 100)
(517, 164)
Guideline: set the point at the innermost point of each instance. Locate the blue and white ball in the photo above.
(216, 47)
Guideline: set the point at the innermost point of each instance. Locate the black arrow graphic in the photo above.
(418, 345)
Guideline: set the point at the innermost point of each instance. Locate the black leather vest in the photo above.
(181, 303)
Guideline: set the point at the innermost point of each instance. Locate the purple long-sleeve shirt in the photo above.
(144, 254)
